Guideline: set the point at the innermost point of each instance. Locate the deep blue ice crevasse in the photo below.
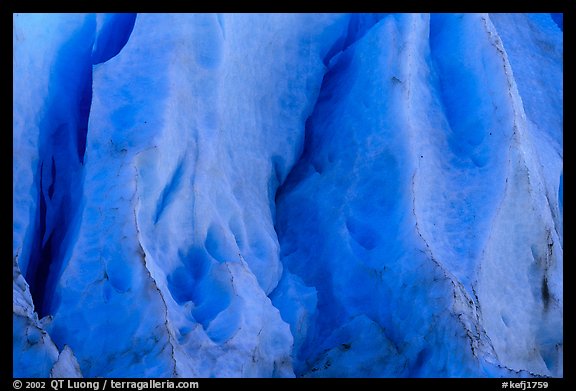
(62, 141)
(63, 133)
(112, 36)
(38, 265)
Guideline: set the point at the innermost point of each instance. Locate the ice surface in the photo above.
(383, 268)
(66, 365)
(279, 195)
(34, 354)
(528, 246)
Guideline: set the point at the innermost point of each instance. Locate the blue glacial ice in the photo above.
(288, 195)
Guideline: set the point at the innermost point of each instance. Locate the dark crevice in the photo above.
(56, 210)
(62, 147)
(37, 266)
(113, 36)
(358, 26)
(336, 79)
(333, 82)
(335, 75)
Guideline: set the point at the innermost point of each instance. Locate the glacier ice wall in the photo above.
(279, 195)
